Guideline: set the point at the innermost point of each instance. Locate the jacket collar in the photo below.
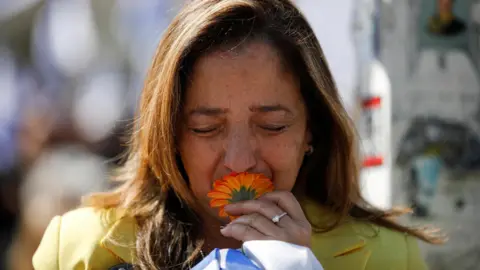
(120, 239)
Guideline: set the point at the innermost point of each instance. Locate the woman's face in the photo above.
(243, 113)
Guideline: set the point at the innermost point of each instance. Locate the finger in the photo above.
(286, 201)
(242, 232)
(264, 207)
(261, 224)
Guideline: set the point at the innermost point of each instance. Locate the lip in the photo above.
(237, 173)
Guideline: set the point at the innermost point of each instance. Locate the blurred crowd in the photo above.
(70, 75)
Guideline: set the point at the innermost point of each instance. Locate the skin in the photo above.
(244, 112)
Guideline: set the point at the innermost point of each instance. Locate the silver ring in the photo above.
(277, 218)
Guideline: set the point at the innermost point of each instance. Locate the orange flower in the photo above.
(238, 187)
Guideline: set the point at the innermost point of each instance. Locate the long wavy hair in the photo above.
(155, 188)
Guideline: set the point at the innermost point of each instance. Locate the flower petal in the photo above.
(262, 189)
(247, 180)
(218, 203)
(218, 195)
(262, 184)
(222, 212)
(232, 182)
(222, 188)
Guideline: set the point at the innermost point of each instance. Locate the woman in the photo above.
(235, 86)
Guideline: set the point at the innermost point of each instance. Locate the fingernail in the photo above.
(223, 230)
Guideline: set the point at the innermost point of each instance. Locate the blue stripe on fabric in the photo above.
(236, 260)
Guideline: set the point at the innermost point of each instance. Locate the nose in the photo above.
(240, 152)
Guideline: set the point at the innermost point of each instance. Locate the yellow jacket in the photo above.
(99, 239)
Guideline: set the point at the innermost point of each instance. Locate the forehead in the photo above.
(248, 50)
(255, 71)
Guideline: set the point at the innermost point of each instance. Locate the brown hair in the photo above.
(155, 189)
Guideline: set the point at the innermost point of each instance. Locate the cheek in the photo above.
(284, 156)
(281, 154)
(200, 159)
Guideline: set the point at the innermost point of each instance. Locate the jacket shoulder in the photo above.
(399, 246)
(75, 241)
(357, 244)
(394, 246)
(366, 246)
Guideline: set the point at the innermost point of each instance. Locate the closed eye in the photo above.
(204, 131)
(274, 128)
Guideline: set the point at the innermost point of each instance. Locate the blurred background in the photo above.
(407, 70)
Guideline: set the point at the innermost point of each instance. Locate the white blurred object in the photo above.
(72, 35)
(59, 177)
(271, 255)
(375, 106)
(362, 33)
(375, 132)
(98, 105)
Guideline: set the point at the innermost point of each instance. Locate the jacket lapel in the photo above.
(341, 252)
(354, 261)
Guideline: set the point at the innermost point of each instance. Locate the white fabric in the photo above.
(264, 254)
(280, 255)
(213, 265)
(223, 258)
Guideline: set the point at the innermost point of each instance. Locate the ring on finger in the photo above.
(277, 218)
(260, 223)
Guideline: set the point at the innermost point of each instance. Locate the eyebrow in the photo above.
(209, 111)
(270, 108)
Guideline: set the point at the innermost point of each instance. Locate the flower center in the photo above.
(244, 194)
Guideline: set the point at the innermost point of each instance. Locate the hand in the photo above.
(255, 221)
